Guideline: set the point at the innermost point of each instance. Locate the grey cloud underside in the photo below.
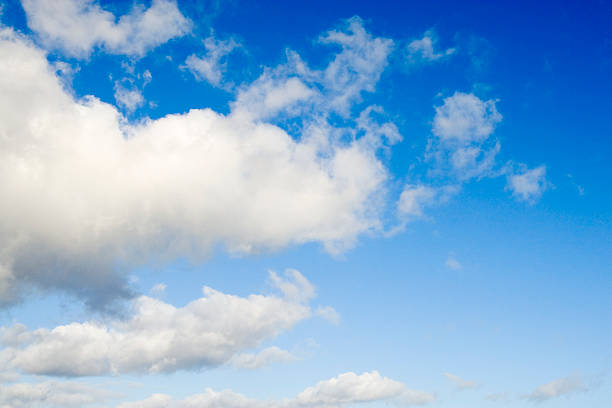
(93, 195)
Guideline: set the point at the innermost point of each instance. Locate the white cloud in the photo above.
(463, 147)
(159, 337)
(459, 382)
(263, 358)
(464, 118)
(78, 26)
(416, 197)
(51, 394)
(210, 67)
(357, 68)
(345, 390)
(527, 184)
(423, 50)
(93, 194)
(128, 98)
(557, 388)
(293, 89)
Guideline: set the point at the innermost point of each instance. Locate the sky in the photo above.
(232, 204)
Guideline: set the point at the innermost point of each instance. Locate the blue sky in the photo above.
(271, 204)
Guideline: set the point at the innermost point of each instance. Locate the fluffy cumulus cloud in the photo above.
(159, 337)
(93, 194)
(76, 27)
(211, 66)
(423, 50)
(557, 388)
(345, 390)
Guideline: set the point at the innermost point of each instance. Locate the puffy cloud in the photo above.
(557, 388)
(92, 195)
(210, 67)
(51, 394)
(76, 27)
(527, 184)
(459, 382)
(345, 390)
(465, 118)
(423, 51)
(159, 337)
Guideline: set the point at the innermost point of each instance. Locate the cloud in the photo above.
(329, 313)
(422, 51)
(263, 358)
(51, 394)
(527, 184)
(94, 195)
(210, 67)
(557, 388)
(344, 390)
(159, 337)
(128, 98)
(76, 27)
(295, 90)
(459, 382)
(462, 146)
(416, 197)
(453, 264)
(465, 118)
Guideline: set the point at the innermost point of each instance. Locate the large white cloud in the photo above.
(92, 194)
(159, 337)
(344, 390)
(78, 26)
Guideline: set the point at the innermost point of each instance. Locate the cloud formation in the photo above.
(159, 337)
(344, 390)
(211, 66)
(93, 195)
(76, 27)
(557, 388)
(423, 50)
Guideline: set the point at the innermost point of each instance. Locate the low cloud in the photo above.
(94, 196)
(159, 337)
(344, 390)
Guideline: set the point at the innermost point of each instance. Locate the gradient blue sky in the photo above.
(439, 282)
